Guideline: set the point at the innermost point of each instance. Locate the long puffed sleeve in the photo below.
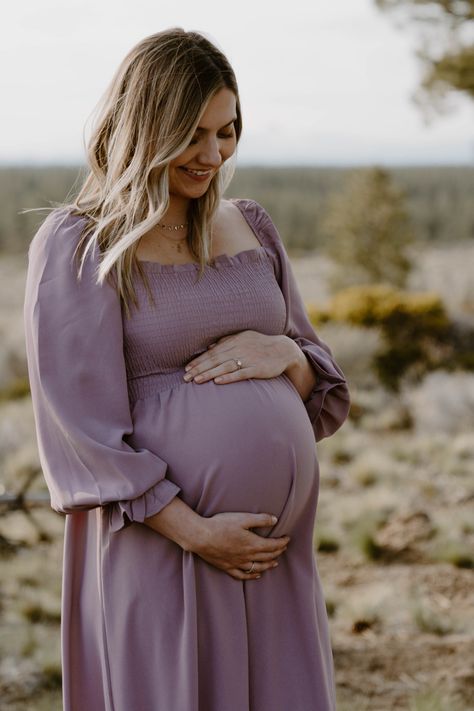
(329, 402)
(77, 373)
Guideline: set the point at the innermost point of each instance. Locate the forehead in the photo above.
(220, 111)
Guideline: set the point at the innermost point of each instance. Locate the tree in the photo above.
(446, 46)
(368, 231)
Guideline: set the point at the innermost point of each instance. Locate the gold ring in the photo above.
(251, 567)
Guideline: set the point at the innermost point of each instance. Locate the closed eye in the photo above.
(224, 132)
(220, 135)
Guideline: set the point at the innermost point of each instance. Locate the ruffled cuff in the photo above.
(328, 403)
(123, 513)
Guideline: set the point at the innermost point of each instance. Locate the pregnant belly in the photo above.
(246, 446)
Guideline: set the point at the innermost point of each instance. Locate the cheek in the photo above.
(228, 149)
(184, 158)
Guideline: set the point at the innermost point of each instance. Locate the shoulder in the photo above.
(255, 214)
(55, 287)
(249, 206)
(54, 243)
(58, 222)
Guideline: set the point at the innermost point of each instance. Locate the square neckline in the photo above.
(242, 257)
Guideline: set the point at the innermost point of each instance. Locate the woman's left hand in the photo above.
(261, 356)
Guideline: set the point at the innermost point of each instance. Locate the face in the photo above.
(213, 142)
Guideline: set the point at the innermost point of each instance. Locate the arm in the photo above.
(328, 400)
(74, 344)
(223, 540)
(300, 371)
(180, 523)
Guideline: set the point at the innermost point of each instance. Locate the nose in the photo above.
(210, 155)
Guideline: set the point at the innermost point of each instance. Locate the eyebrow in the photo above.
(200, 128)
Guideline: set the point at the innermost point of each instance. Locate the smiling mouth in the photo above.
(198, 173)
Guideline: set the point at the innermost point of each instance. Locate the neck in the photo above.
(177, 211)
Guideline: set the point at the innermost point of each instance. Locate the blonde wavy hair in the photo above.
(146, 118)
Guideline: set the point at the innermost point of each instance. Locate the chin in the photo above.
(190, 194)
(191, 191)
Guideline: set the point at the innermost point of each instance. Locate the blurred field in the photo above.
(395, 532)
(439, 199)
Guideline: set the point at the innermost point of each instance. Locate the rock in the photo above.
(401, 538)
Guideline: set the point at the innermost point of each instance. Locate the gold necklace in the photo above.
(176, 243)
(174, 227)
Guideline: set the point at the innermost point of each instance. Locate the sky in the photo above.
(321, 83)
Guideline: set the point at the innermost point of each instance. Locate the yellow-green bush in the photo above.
(382, 304)
(417, 333)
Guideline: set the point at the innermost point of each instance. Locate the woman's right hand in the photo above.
(228, 544)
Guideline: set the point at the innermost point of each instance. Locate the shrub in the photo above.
(368, 230)
(327, 543)
(36, 613)
(457, 553)
(18, 388)
(51, 677)
(417, 336)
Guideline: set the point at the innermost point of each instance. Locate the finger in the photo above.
(268, 545)
(267, 556)
(198, 366)
(203, 358)
(240, 575)
(223, 370)
(205, 355)
(203, 363)
(254, 520)
(259, 566)
(226, 340)
(235, 376)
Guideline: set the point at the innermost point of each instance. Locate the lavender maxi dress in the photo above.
(145, 625)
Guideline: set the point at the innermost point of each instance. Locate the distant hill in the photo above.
(439, 200)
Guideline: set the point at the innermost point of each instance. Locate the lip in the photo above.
(197, 178)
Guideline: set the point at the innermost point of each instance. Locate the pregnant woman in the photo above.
(178, 390)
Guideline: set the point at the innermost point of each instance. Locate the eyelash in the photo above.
(222, 135)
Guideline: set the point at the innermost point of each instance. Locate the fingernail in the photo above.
(274, 565)
(187, 377)
(187, 367)
(257, 577)
(274, 519)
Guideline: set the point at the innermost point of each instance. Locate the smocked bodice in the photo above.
(237, 293)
